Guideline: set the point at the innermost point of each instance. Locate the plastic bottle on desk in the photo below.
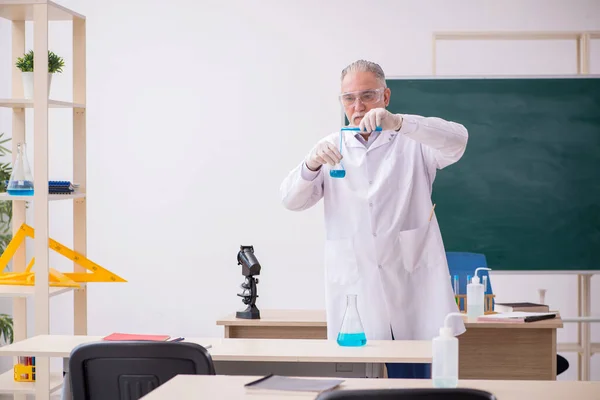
(475, 297)
(444, 366)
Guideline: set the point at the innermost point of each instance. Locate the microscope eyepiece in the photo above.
(248, 261)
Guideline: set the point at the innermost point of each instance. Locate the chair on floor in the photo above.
(131, 369)
(562, 364)
(407, 394)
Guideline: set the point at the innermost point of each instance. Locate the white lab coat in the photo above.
(380, 244)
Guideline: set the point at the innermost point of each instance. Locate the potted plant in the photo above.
(25, 64)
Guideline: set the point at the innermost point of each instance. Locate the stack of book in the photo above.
(517, 317)
(518, 313)
(527, 307)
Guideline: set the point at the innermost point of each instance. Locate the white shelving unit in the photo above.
(25, 103)
(40, 12)
(9, 386)
(52, 197)
(16, 291)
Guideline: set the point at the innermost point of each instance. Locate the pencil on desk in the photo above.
(431, 215)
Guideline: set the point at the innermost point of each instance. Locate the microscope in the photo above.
(250, 267)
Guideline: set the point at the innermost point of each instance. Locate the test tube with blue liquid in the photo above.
(338, 171)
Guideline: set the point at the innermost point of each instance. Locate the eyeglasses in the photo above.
(365, 96)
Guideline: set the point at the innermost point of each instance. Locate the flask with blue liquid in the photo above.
(351, 332)
(338, 171)
(21, 178)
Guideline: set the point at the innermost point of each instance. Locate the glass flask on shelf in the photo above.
(21, 178)
(351, 332)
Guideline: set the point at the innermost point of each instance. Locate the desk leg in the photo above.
(66, 388)
(584, 330)
(579, 342)
(374, 370)
(554, 355)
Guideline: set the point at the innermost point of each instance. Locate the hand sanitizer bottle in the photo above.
(444, 367)
(475, 297)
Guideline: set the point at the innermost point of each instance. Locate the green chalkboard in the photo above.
(527, 191)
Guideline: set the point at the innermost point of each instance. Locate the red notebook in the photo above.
(131, 336)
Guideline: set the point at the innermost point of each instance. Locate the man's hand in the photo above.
(380, 117)
(324, 152)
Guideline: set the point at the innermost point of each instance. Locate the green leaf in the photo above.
(5, 206)
(6, 328)
(55, 62)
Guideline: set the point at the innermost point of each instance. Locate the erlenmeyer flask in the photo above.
(351, 332)
(21, 179)
(338, 171)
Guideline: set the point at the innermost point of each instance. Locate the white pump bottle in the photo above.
(444, 367)
(475, 297)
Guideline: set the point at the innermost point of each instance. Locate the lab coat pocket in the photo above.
(340, 261)
(415, 248)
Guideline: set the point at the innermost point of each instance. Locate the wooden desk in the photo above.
(222, 387)
(278, 324)
(254, 350)
(230, 355)
(486, 350)
(509, 351)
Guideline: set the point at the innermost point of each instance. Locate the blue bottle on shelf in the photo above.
(21, 178)
(351, 332)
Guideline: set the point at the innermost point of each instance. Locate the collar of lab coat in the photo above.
(384, 138)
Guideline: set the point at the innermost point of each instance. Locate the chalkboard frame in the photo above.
(502, 268)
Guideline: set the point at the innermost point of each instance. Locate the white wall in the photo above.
(198, 109)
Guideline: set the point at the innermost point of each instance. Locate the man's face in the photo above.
(361, 92)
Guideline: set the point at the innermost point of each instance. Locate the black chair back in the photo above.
(129, 370)
(407, 394)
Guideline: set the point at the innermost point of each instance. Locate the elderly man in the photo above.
(383, 242)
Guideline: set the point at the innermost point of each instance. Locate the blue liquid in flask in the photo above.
(21, 179)
(20, 188)
(352, 339)
(351, 333)
(337, 173)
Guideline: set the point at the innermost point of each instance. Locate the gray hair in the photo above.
(365, 66)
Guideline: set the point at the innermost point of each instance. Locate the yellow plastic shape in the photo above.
(56, 278)
(24, 373)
